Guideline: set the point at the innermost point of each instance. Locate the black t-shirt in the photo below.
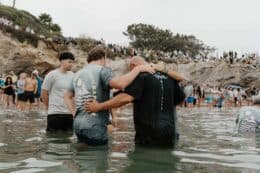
(155, 99)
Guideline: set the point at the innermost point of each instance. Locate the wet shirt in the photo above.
(248, 119)
(92, 82)
(56, 83)
(155, 99)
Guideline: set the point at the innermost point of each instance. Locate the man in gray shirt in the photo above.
(94, 81)
(53, 88)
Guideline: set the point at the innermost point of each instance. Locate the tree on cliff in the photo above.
(144, 36)
(46, 20)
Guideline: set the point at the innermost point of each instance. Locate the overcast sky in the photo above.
(224, 24)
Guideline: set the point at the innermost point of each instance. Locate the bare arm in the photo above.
(119, 100)
(175, 75)
(69, 100)
(35, 87)
(169, 71)
(122, 82)
(45, 98)
(114, 119)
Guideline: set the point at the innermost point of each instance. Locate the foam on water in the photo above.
(2, 144)
(118, 155)
(33, 170)
(34, 163)
(33, 139)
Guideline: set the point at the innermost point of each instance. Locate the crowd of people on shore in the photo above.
(5, 22)
(212, 96)
(180, 57)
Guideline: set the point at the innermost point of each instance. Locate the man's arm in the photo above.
(175, 75)
(69, 101)
(169, 71)
(122, 82)
(46, 89)
(45, 98)
(119, 100)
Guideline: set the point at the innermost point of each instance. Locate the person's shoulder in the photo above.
(79, 72)
(53, 72)
(71, 73)
(145, 75)
(106, 69)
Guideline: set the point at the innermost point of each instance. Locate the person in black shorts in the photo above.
(8, 91)
(54, 85)
(20, 92)
(29, 96)
(30, 89)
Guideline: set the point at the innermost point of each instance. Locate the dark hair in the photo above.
(66, 55)
(96, 53)
(6, 81)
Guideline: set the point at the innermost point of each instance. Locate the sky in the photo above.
(223, 24)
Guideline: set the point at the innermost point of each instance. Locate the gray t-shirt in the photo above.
(56, 83)
(92, 82)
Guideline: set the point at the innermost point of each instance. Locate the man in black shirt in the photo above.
(155, 97)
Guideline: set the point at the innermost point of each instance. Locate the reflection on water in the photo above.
(151, 160)
(207, 144)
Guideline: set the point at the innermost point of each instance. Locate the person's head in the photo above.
(97, 54)
(9, 80)
(35, 72)
(136, 61)
(66, 60)
(23, 75)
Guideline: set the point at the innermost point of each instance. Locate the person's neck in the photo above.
(97, 63)
(62, 70)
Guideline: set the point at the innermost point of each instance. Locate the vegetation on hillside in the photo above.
(150, 37)
(25, 19)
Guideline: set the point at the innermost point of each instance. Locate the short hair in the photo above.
(96, 53)
(65, 56)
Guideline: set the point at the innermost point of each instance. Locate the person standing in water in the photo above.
(30, 88)
(20, 92)
(54, 85)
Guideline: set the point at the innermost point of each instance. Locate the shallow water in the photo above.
(207, 144)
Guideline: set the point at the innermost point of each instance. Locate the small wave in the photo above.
(33, 170)
(34, 139)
